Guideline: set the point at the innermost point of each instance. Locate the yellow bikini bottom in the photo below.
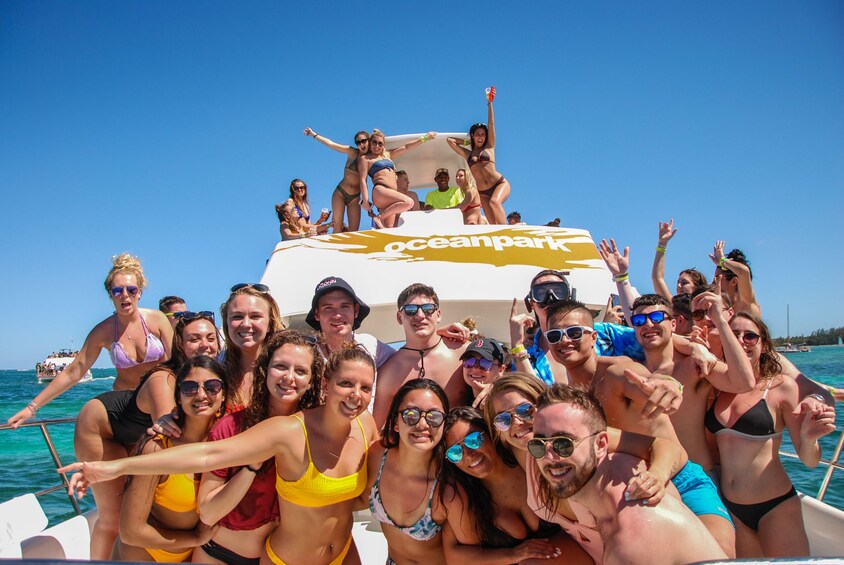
(277, 560)
(161, 556)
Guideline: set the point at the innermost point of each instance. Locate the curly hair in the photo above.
(769, 365)
(125, 264)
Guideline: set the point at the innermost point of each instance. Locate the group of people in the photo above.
(480, 190)
(580, 441)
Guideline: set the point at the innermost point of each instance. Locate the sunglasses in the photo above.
(473, 441)
(574, 333)
(545, 293)
(373, 142)
(361, 141)
(562, 445)
(131, 289)
(749, 338)
(412, 309)
(480, 362)
(503, 420)
(191, 388)
(657, 317)
(300, 188)
(190, 316)
(262, 288)
(411, 417)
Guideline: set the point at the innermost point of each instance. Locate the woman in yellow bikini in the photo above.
(159, 520)
(320, 456)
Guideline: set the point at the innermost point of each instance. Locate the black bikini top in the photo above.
(756, 422)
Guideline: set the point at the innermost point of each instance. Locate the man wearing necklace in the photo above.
(425, 353)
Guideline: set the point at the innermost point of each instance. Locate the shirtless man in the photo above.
(633, 400)
(578, 467)
(403, 186)
(425, 353)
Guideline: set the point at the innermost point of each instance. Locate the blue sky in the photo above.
(169, 130)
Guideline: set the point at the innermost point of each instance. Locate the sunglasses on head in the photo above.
(131, 289)
(262, 288)
(191, 388)
(574, 333)
(657, 317)
(546, 293)
(412, 416)
(749, 338)
(480, 362)
(190, 316)
(503, 420)
(361, 141)
(562, 445)
(473, 441)
(412, 309)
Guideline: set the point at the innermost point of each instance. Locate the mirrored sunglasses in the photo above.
(262, 288)
(131, 289)
(480, 362)
(657, 317)
(189, 316)
(473, 441)
(503, 420)
(191, 388)
(412, 309)
(562, 445)
(412, 416)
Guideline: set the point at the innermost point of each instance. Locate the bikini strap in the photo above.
(144, 324)
(363, 433)
(115, 326)
(307, 442)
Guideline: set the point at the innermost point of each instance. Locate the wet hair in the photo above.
(417, 289)
(650, 300)
(165, 303)
(681, 305)
(514, 216)
(525, 384)
(389, 435)
(259, 407)
(479, 499)
(725, 298)
(233, 353)
(475, 128)
(378, 133)
(349, 352)
(698, 278)
(125, 264)
(560, 308)
(769, 365)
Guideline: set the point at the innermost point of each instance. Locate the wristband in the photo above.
(518, 349)
(33, 407)
(522, 356)
(661, 249)
(424, 138)
(621, 278)
(721, 262)
(316, 135)
(250, 469)
(831, 390)
(667, 378)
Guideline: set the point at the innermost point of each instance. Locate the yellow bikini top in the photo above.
(313, 489)
(178, 492)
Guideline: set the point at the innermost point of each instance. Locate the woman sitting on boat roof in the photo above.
(302, 209)
(137, 339)
(320, 456)
(756, 488)
(378, 165)
(111, 424)
(471, 203)
(346, 197)
(288, 224)
(492, 186)
(158, 519)
(242, 500)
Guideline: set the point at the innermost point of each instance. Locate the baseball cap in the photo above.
(490, 349)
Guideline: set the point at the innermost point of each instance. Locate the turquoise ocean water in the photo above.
(28, 467)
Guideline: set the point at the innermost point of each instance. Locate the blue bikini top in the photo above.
(380, 165)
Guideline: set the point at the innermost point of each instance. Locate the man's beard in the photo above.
(582, 476)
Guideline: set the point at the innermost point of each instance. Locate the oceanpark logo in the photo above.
(545, 248)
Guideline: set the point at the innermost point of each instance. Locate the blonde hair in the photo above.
(471, 185)
(285, 214)
(128, 264)
(384, 153)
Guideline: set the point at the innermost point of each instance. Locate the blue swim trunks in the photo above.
(698, 491)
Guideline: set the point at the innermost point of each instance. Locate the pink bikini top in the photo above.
(155, 349)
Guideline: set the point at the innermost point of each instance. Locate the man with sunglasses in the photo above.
(571, 460)
(425, 353)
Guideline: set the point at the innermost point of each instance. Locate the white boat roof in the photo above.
(422, 162)
(475, 270)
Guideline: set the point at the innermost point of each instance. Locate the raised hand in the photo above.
(666, 232)
(664, 394)
(518, 324)
(617, 263)
(309, 132)
(717, 252)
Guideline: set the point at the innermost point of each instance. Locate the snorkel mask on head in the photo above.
(552, 291)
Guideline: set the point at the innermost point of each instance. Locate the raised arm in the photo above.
(619, 266)
(518, 324)
(666, 232)
(490, 118)
(413, 144)
(71, 375)
(347, 149)
(458, 146)
(747, 297)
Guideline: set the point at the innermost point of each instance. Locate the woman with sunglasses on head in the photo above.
(403, 474)
(492, 186)
(346, 197)
(748, 428)
(158, 519)
(509, 415)
(687, 280)
(484, 494)
(136, 338)
(242, 499)
(110, 425)
(320, 457)
(378, 164)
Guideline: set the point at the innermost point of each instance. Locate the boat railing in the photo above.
(833, 464)
(51, 446)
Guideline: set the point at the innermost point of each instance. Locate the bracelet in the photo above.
(518, 349)
(621, 278)
(316, 135)
(721, 262)
(661, 249)
(667, 378)
(831, 389)
(523, 356)
(424, 138)
(817, 397)
(33, 407)
(249, 468)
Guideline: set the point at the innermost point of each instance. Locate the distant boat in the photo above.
(787, 348)
(54, 364)
(839, 341)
